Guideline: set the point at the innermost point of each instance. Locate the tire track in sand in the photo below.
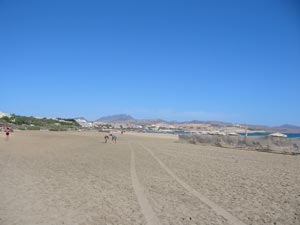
(219, 210)
(147, 210)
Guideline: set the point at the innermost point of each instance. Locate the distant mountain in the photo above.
(286, 128)
(116, 118)
(149, 121)
(289, 126)
(192, 121)
(128, 119)
(213, 123)
(124, 118)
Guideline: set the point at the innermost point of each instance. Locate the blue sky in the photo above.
(236, 61)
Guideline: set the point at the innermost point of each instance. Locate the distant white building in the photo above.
(84, 123)
(2, 114)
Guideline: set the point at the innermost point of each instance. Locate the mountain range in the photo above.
(116, 118)
(121, 118)
(124, 118)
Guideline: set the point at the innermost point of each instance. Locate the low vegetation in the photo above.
(33, 123)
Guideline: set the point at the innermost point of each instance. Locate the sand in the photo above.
(75, 178)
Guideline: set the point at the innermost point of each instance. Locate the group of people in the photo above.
(113, 138)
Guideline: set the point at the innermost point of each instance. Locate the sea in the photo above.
(242, 134)
(266, 134)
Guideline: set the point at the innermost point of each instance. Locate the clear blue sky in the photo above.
(236, 61)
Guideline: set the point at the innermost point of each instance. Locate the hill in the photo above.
(34, 123)
(289, 126)
(116, 118)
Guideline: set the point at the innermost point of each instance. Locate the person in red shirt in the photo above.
(7, 132)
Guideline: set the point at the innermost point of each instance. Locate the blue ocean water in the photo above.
(293, 135)
(266, 134)
(242, 134)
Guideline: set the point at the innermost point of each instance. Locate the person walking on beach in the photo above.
(114, 138)
(7, 132)
(106, 137)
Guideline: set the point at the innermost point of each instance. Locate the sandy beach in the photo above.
(74, 178)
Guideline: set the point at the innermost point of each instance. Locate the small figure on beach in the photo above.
(106, 137)
(113, 138)
(7, 132)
